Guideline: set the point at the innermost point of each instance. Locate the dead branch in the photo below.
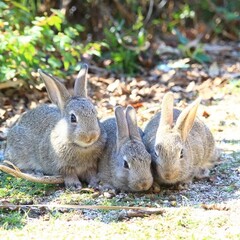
(124, 12)
(131, 211)
(16, 172)
(10, 84)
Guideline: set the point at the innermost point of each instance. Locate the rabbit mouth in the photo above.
(84, 144)
(141, 186)
(169, 179)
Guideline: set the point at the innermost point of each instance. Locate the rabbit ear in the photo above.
(122, 128)
(166, 119)
(80, 86)
(186, 119)
(132, 123)
(56, 90)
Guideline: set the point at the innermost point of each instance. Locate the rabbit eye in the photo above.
(126, 164)
(181, 154)
(73, 118)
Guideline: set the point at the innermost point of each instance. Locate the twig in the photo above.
(143, 210)
(9, 84)
(138, 213)
(16, 172)
(124, 12)
(149, 13)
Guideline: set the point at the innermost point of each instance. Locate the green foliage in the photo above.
(32, 40)
(10, 220)
(223, 18)
(46, 42)
(193, 51)
(125, 45)
(22, 190)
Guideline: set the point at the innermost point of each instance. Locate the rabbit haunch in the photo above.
(125, 163)
(181, 145)
(66, 139)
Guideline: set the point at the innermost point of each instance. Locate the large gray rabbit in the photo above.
(181, 145)
(62, 138)
(125, 164)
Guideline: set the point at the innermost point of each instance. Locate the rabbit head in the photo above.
(133, 168)
(172, 155)
(79, 122)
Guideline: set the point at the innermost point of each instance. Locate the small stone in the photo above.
(173, 203)
(172, 198)
(95, 194)
(108, 195)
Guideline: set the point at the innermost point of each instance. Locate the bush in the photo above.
(30, 42)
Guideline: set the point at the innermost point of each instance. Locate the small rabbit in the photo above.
(181, 145)
(63, 138)
(125, 164)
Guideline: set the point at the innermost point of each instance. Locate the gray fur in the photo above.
(45, 140)
(165, 140)
(111, 166)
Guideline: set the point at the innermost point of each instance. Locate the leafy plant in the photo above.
(125, 45)
(193, 50)
(46, 42)
(10, 220)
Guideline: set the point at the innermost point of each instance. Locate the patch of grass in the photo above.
(11, 220)
(229, 189)
(236, 156)
(235, 85)
(19, 190)
(178, 223)
(68, 197)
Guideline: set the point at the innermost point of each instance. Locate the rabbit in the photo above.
(63, 138)
(125, 164)
(181, 145)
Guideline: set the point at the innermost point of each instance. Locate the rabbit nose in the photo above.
(90, 137)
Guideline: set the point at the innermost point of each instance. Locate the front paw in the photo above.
(94, 183)
(105, 187)
(202, 173)
(72, 183)
(155, 188)
(183, 185)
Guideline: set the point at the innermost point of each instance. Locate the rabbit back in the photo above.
(26, 136)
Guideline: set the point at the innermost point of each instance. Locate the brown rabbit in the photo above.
(125, 163)
(181, 145)
(62, 138)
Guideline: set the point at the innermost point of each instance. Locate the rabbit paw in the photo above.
(183, 186)
(107, 188)
(155, 188)
(94, 183)
(72, 183)
(202, 173)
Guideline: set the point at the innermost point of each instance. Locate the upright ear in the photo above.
(56, 90)
(186, 119)
(132, 123)
(122, 128)
(166, 119)
(80, 86)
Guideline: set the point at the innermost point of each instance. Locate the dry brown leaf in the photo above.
(219, 207)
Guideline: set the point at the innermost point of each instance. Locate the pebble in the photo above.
(108, 195)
